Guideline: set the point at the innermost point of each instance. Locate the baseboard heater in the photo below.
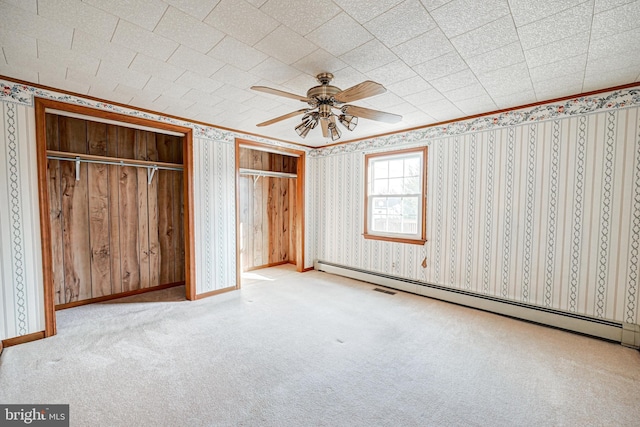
(625, 333)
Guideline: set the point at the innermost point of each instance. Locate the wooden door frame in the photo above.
(41, 104)
(300, 179)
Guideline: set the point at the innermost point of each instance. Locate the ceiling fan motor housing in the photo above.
(324, 93)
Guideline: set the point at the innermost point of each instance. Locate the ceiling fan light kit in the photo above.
(325, 98)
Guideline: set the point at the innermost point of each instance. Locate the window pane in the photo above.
(396, 168)
(411, 185)
(395, 186)
(380, 169)
(412, 166)
(380, 186)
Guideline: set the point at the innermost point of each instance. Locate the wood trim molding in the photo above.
(216, 292)
(117, 296)
(9, 342)
(273, 264)
(41, 104)
(308, 269)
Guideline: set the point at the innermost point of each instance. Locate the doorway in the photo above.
(270, 206)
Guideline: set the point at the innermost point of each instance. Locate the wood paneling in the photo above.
(112, 232)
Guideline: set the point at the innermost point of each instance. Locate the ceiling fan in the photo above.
(325, 98)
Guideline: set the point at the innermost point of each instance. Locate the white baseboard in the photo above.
(625, 333)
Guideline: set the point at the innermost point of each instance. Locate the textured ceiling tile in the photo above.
(187, 30)
(152, 66)
(174, 106)
(19, 73)
(339, 35)
(472, 91)
(428, 46)
(507, 80)
(348, 77)
(499, 58)
(610, 63)
(302, 16)
(144, 13)
(15, 19)
(409, 86)
(564, 67)
(261, 102)
(144, 41)
(196, 81)
(612, 78)
(195, 61)
(104, 93)
(616, 20)
(18, 41)
(365, 10)
(418, 118)
(602, 5)
(556, 87)
(563, 48)
(391, 73)
(275, 71)
(241, 20)
(232, 93)
(235, 77)
(286, 45)
(112, 72)
(75, 13)
(478, 105)
(319, 61)
(100, 48)
(90, 79)
(28, 5)
(197, 8)
(459, 16)
(433, 4)
(441, 66)
(425, 97)
(515, 99)
(160, 86)
(402, 23)
(565, 24)
(202, 98)
(442, 110)
(489, 37)
(300, 84)
(454, 81)
(385, 101)
(237, 54)
(53, 79)
(369, 56)
(67, 58)
(526, 11)
(616, 44)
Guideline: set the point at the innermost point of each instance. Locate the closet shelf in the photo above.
(91, 158)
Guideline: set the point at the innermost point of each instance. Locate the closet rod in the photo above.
(151, 169)
(260, 173)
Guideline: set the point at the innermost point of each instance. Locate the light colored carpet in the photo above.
(318, 350)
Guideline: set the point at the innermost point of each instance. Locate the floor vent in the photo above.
(384, 291)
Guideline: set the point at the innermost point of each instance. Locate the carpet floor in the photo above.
(314, 349)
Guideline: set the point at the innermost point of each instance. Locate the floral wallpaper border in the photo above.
(572, 107)
(24, 94)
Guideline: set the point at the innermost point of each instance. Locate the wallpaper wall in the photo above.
(544, 212)
(21, 291)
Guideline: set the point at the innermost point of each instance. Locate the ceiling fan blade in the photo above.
(367, 113)
(360, 91)
(273, 91)
(325, 127)
(283, 117)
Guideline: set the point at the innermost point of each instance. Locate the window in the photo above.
(395, 195)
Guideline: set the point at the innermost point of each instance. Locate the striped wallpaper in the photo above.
(545, 213)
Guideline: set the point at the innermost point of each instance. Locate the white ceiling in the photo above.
(439, 59)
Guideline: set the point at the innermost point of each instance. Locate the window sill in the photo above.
(394, 239)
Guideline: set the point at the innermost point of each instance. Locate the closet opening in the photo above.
(115, 206)
(270, 206)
